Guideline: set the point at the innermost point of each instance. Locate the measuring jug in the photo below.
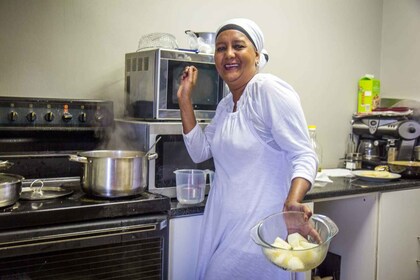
(191, 185)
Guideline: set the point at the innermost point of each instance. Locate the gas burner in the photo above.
(10, 208)
(98, 199)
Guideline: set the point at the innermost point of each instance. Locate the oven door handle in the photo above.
(84, 235)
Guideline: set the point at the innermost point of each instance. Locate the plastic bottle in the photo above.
(315, 145)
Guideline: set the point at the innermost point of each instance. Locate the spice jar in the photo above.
(353, 161)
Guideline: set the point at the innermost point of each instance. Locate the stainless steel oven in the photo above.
(72, 235)
(118, 248)
(171, 151)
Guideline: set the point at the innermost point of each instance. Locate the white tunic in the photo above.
(257, 151)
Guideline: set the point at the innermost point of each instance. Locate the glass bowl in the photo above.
(157, 40)
(318, 232)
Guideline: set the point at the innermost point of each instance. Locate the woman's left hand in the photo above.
(296, 206)
(299, 188)
(302, 227)
(297, 192)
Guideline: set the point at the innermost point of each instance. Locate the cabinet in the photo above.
(184, 234)
(379, 234)
(398, 236)
(356, 218)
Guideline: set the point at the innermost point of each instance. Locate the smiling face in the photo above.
(235, 58)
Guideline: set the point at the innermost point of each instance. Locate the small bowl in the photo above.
(318, 230)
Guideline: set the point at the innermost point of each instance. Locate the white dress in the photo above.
(257, 151)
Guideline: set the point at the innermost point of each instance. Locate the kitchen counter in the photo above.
(340, 187)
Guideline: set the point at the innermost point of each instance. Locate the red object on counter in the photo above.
(391, 109)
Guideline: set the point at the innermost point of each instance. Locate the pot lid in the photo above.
(44, 193)
(40, 192)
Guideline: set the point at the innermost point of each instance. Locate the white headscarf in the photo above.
(252, 31)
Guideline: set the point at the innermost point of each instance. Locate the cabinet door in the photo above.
(356, 218)
(398, 237)
(184, 235)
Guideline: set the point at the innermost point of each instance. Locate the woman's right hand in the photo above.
(188, 80)
(187, 83)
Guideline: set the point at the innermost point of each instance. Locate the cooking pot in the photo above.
(202, 41)
(10, 188)
(407, 169)
(114, 173)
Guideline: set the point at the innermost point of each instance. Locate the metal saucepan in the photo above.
(208, 37)
(10, 188)
(203, 41)
(407, 169)
(114, 173)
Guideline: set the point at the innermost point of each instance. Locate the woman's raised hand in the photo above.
(187, 81)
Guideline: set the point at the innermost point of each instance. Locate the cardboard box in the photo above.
(368, 96)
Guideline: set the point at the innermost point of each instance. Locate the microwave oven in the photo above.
(171, 151)
(152, 79)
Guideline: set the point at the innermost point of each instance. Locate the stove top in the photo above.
(77, 206)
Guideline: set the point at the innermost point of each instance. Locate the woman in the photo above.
(260, 145)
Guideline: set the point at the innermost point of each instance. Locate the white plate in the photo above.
(375, 176)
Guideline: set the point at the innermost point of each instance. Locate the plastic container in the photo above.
(265, 232)
(315, 145)
(190, 185)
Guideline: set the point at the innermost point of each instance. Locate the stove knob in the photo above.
(67, 117)
(99, 117)
(49, 117)
(13, 116)
(31, 116)
(82, 117)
